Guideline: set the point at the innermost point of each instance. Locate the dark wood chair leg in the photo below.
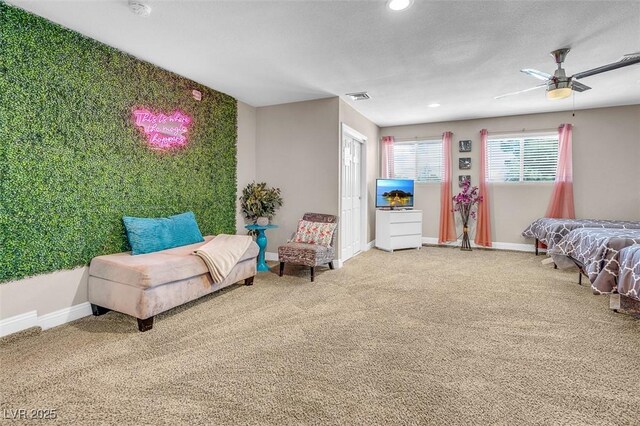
(580, 278)
(555, 266)
(281, 268)
(536, 246)
(331, 265)
(98, 310)
(145, 324)
(248, 281)
(313, 273)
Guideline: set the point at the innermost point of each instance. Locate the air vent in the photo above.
(359, 96)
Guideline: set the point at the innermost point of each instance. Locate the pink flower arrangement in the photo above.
(466, 200)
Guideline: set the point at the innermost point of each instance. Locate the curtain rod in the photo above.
(523, 130)
(418, 138)
(502, 132)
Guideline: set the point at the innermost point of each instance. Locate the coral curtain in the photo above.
(483, 228)
(561, 203)
(387, 156)
(447, 222)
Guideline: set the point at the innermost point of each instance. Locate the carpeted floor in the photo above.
(436, 336)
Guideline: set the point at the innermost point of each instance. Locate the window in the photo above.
(531, 158)
(419, 160)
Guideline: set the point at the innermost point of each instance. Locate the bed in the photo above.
(628, 279)
(625, 295)
(550, 231)
(596, 252)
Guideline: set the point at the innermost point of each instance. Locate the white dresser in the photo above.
(398, 229)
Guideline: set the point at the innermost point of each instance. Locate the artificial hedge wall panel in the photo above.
(72, 161)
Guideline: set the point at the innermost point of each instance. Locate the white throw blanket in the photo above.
(222, 253)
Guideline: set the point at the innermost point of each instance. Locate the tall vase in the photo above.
(466, 242)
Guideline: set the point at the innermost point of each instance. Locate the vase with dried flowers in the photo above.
(466, 203)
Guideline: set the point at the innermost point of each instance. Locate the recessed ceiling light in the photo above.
(433, 105)
(398, 5)
(139, 8)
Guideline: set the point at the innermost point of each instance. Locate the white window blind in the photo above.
(420, 160)
(531, 158)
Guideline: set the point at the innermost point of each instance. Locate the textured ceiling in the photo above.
(457, 53)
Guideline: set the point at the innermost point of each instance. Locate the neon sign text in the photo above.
(163, 131)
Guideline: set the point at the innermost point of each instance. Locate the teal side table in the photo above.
(262, 243)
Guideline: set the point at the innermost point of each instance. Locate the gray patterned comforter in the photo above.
(597, 250)
(550, 231)
(628, 275)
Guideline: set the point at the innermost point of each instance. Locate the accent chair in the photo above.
(305, 254)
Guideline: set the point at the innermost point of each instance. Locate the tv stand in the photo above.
(398, 229)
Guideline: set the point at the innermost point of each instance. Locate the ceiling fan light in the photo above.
(561, 93)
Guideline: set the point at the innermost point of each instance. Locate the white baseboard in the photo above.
(370, 245)
(515, 247)
(494, 245)
(64, 316)
(18, 323)
(31, 319)
(270, 256)
(432, 241)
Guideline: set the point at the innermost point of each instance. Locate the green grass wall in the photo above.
(72, 162)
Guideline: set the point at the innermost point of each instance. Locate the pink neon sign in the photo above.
(163, 131)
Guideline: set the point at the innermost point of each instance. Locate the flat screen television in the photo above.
(394, 193)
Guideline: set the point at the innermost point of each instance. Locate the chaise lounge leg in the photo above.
(281, 268)
(145, 324)
(580, 278)
(313, 273)
(248, 281)
(331, 265)
(98, 310)
(536, 246)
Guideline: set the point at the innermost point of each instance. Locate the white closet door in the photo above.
(356, 189)
(350, 215)
(346, 216)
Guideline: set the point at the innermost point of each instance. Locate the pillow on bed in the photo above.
(148, 235)
(319, 233)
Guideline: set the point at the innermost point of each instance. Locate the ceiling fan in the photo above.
(560, 86)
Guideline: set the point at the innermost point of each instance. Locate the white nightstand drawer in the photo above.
(401, 217)
(406, 241)
(407, 228)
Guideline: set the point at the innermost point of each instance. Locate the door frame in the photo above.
(364, 214)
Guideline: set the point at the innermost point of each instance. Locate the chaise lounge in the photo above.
(145, 285)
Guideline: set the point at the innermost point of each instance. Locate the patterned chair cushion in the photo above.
(319, 233)
(305, 254)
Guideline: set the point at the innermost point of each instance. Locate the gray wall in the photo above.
(606, 158)
(297, 151)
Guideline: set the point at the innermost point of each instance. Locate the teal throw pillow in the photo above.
(148, 235)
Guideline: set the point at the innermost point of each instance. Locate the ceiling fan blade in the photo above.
(521, 91)
(537, 74)
(630, 59)
(576, 86)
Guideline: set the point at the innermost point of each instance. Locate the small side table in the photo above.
(262, 243)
